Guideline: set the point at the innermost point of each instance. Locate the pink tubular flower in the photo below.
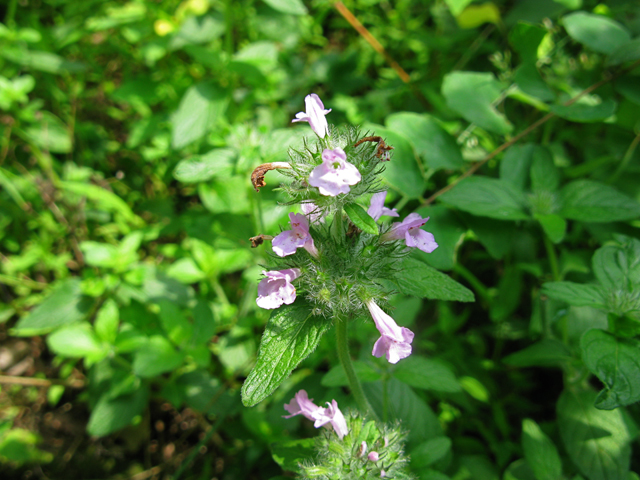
(315, 115)
(312, 211)
(413, 235)
(394, 341)
(334, 175)
(301, 404)
(373, 456)
(287, 242)
(377, 208)
(276, 289)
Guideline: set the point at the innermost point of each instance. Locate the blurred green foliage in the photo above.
(128, 131)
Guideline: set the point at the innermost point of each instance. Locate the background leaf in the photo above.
(597, 32)
(616, 362)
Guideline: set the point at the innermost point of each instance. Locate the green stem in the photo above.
(477, 285)
(11, 13)
(553, 259)
(345, 360)
(337, 228)
(625, 160)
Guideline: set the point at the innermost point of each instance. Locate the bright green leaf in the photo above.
(218, 162)
(487, 197)
(577, 294)
(63, 306)
(291, 334)
(361, 218)
(597, 32)
(586, 111)
(472, 95)
(554, 226)
(419, 279)
(292, 7)
(75, 341)
(432, 143)
(627, 52)
(107, 321)
(591, 201)
(540, 452)
(111, 414)
(200, 108)
(155, 357)
(598, 441)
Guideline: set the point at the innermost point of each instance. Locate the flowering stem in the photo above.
(337, 228)
(345, 360)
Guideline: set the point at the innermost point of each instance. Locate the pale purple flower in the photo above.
(334, 175)
(394, 341)
(276, 288)
(287, 242)
(377, 208)
(301, 404)
(373, 456)
(315, 115)
(363, 449)
(409, 229)
(312, 211)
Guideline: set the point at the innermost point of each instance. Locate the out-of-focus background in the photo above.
(128, 131)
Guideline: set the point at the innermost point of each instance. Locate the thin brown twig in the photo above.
(38, 382)
(377, 46)
(607, 78)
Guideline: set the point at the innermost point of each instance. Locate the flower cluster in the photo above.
(338, 266)
(363, 449)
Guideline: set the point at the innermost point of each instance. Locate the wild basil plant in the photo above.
(339, 261)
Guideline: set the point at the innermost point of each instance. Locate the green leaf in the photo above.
(63, 306)
(291, 334)
(487, 197)
(337, 378)
(591, 201)
(402, 403)
(617, 267)
(206, 393)
(39, 60)
(616, 362)
(218, 162)
(112, 414)
(361, 219)
(99, 254)
(472, 95)
(419, 279)
(185, 271)
(516, 165)
(50, 134)
(419, 372)
(107, 321)
(457, 6)
(530, 82)
(554, 226)
(174, 322)
(292, 7)
(475, 388)
(577, 294)
(431, 142)
(599, 33)
(597, 441)
(226, 195)
(402, 172)
(104, 199)
(545, 176)
(586, 110)
(526, 39)
(545, 353)
(155, 357)
(429, 452)
(625, 53)
(76, 341)
(204, 323)
(200, 108)
(289, 454)
(495, 235)
(540, 452)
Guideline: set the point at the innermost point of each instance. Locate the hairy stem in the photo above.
(345, 360)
